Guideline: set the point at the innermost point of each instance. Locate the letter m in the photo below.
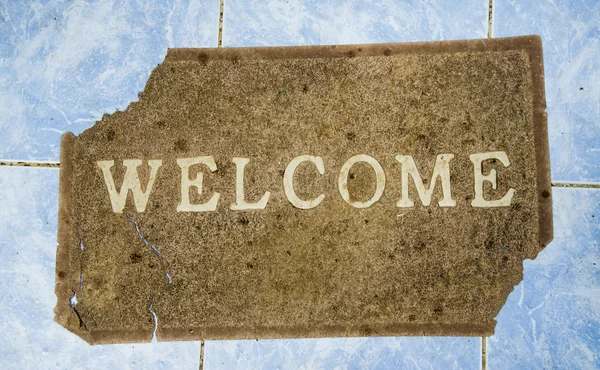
(441, 170)
(131, 181)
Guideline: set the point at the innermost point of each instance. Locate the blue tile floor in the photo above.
(66, 63)
(570, 31)
(552, 318)
(63, 64)
(346, 353)
(29, 337)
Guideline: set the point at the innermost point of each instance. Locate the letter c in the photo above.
(288, 181)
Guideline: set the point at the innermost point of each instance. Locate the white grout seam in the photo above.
(490, 18)
(580, 185)
(201, 367)
(556, 184)
(30, 164)
(483, 353)
(220, 39)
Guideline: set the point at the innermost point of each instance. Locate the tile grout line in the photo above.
(489, 36)
(575, 185)
(29, 164)
(483, 353)
(490, 18)
(201, 367)
(221, 7)
(557, 184)
(219, 45)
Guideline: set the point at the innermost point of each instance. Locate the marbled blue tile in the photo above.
(346, 353)
(314, 22)
(552, 318)
(63, 64)
(29, 337)
(570, 31)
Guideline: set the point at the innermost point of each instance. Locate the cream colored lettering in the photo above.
(186, 184)
(131, 181)
(240, 200)
(478, 201)
(441, 170)
(343, 180)
(288, 181)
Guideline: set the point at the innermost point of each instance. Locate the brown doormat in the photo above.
(365, 190)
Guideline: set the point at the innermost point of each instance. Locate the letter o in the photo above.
(343, 180)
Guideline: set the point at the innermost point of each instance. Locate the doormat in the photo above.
(327, 191)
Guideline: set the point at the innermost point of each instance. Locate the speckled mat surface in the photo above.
(388, 189)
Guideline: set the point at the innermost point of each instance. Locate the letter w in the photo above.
(131, 181)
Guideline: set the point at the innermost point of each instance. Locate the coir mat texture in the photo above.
(364, 190)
